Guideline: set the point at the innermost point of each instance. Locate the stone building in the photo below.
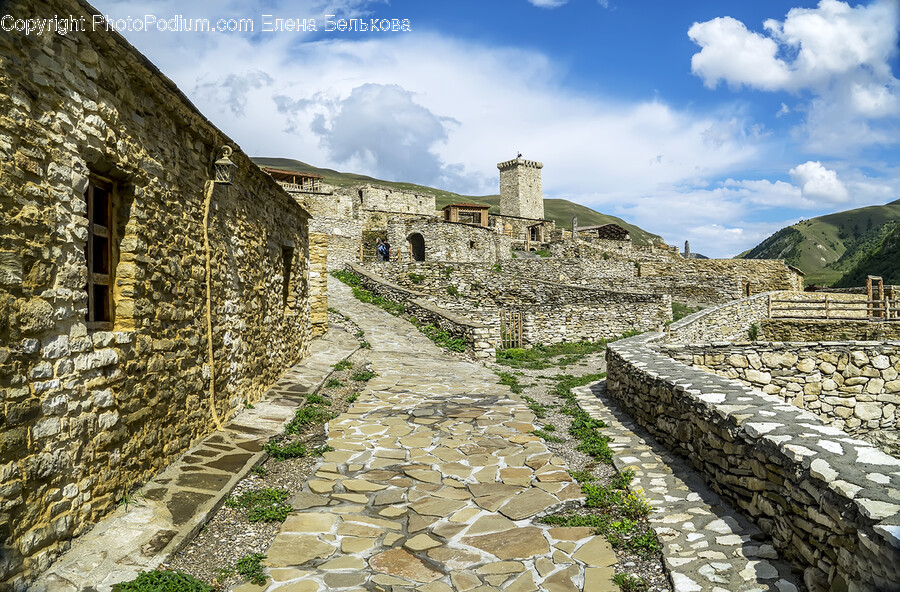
(521, 193)
(605, 232)
(466, 213)
(141, 304)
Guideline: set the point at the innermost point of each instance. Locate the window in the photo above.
(98, 251)
(287, 260)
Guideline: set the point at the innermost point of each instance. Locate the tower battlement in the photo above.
(521, 192)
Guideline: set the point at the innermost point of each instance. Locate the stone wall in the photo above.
(521, 192)
(762, 275)
(386, 199)
(852, 386)
(480, 338)
(552, 311)
(88, 412)
(829, 501)
(730, 321)
(448, 241)
(318, 283)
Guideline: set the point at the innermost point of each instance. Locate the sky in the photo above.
(714, 121)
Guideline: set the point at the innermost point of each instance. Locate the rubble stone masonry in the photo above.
(88, 411)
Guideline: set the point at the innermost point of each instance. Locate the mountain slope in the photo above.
(883, 261)
(558, 210)
(829, 246)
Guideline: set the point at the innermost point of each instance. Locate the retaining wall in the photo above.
(830, 502)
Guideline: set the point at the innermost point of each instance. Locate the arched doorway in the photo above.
(416, 246)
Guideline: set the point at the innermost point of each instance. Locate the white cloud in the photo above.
(840, 55)
(818, 183)
(547, 3)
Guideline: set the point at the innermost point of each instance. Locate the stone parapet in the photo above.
(830, 502)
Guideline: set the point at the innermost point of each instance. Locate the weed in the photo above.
(365, 345)
(679, 311)
(443, 338)
(416, 278)
(259, 471)
(250, 567)
(321, 450)
(753, 332)
(582, 476)
(344, 364)
(352, 398)
(448, 271)
(630, 583)
(363, 375)
(262, 505)
(248, 405)
(163, 581)
(636, 505)
(317, 399)
(598, 521)
(453, 290)
(645, 544)
(539, 410)
(622, 479)
(496, 268)
(542, 252)
(511, 381)
(539, 356)
(280, 451)
(333, 383)
(605, 256)
(351, 279)
(359, 335)
(545, 435)
(306, 416)
(131, 498)
(549, 428)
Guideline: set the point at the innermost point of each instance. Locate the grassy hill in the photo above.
(883, 261)
(828, 247)
(558, 210)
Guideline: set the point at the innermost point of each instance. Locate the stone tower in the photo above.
(521, 193)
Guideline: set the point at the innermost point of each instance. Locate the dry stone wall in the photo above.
(89, 412)
(823, 330)
(830, 502)
(553, 312)
(852, 386)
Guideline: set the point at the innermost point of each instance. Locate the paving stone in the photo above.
(401, 563)
(464, 580)
(421, 542)
(596, 552)
(455, 559)
(307, 522)
(433, 506)
(519, 543)
(296, 549)
(528, 503)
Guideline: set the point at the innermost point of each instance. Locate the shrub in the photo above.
(753, 332)
(163, 581)
(250, 567)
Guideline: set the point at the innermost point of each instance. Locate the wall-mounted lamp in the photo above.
(224, 168)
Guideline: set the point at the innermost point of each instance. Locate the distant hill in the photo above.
(828, 247)
(883, 261)
(558, 210)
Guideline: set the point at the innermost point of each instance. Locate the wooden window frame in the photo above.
(101, 318)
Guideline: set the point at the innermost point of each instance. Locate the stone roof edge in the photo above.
(170, 85)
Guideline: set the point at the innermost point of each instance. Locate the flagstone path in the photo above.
(434, 484)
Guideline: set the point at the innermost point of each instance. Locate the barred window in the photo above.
(98, 252)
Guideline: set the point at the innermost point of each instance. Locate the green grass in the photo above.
(363, 375)
(545, 434)
(440, 337)
(306, 416)
(163, 581)
(262, 505)
(511, 380)
(542, 252)
(343, 364)
(542, 356)
(416, 278)
(284, 451)
(250, 567)
(333, 383)
(582, 476)
(630, 583)
(679, 311)
(539, 410)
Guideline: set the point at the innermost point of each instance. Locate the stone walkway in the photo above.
(170, 509)
(707, 545)
(434, 484)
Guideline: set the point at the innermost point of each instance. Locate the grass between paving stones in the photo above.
(610, 509)
(163, 581)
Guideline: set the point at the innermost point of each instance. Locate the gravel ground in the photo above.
(229, 536)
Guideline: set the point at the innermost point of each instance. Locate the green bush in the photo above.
(163, 581)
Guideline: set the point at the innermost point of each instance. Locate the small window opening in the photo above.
(471, 244)
(287, 261)
(98, 251)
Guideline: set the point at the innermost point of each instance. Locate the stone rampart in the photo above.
(91, 410)
(830, 502)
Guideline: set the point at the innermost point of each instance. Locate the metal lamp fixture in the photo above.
(224, 167)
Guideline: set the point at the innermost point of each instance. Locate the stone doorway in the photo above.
(416, 246)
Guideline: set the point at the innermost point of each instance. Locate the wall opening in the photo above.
(287, 261)
(416, 246)
(99, 252)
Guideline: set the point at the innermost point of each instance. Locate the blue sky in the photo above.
(716, 121)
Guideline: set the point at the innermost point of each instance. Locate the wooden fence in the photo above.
(832, 307)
